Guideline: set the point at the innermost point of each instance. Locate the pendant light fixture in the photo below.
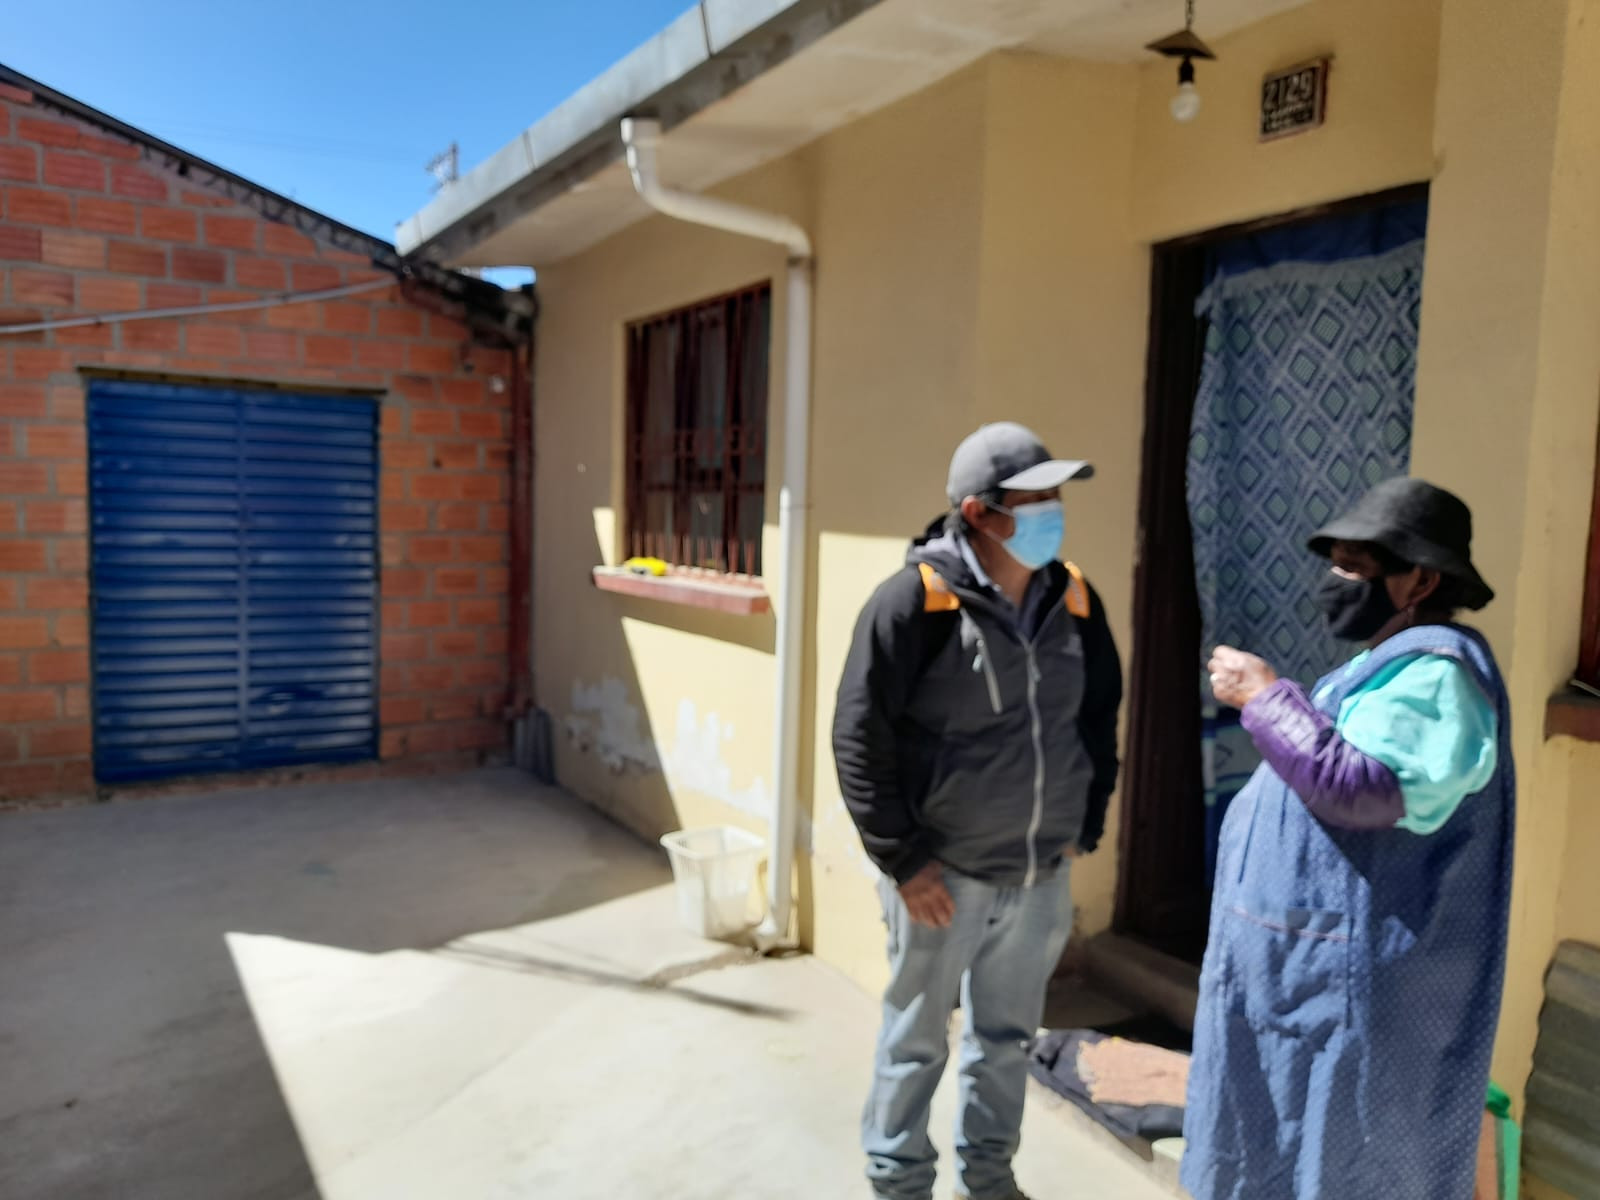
(1184, 45)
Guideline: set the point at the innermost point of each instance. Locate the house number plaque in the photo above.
(1295, 100)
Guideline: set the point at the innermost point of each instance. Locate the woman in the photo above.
(1352, 980)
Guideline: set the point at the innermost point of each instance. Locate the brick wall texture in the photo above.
(90, 224)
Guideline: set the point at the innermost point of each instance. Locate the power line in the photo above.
(281, 140)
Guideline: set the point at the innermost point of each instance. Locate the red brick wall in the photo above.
(88, 225)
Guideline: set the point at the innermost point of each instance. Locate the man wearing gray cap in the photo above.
(976, 741)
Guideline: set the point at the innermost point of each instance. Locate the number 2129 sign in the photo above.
(1295, 100)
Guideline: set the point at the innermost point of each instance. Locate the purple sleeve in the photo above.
(1338, 783)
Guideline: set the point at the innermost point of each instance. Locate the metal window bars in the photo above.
(697, 434)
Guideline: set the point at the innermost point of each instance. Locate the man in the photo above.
(976, 743)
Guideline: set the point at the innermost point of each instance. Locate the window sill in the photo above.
(715, 592)
(1572, 714)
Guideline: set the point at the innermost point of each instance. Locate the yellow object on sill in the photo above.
(645, 566)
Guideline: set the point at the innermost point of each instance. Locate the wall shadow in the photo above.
(758, 632)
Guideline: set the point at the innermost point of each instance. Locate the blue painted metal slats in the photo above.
(1561, 1142)
(234, 578)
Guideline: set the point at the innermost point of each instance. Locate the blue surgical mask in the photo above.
(1036, 540)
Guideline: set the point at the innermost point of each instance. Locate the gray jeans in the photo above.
(999, 953)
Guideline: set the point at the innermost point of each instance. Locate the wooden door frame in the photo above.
(1161, 897)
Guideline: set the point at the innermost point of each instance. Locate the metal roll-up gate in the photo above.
(234, 576)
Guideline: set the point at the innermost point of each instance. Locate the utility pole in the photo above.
(445, 167)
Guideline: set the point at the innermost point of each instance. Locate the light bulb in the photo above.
(1185, 105)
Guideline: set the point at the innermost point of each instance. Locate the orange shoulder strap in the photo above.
(936, 593)
(1077, 596)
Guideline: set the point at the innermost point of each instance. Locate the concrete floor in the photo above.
(459, 988)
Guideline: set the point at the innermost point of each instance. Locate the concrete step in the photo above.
(1146, 980)
(1073, 1002)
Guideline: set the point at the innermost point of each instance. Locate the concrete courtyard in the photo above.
(452, 988)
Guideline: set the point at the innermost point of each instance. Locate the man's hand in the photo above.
(927, 899)
(1238, 678)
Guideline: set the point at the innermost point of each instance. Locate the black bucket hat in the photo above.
(1418, 523)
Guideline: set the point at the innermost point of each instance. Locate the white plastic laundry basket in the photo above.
(715, 872)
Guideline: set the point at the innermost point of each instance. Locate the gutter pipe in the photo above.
(641, 136)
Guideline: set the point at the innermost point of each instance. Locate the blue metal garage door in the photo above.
(234, 578)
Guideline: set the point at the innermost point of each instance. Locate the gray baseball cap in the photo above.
(1008, 457)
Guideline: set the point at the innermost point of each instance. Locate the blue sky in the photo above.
(337, 103)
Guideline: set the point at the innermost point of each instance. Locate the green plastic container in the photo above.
(1507, 1136)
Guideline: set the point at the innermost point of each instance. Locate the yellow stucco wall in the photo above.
(1578, 904)
(661, 713)
(1065, 360)
(1064, 293)
(1214, 172)
(664, 715)
(899, 198)
(983, 253)
(1506, 410)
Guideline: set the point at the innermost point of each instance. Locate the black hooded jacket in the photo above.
(973, 735)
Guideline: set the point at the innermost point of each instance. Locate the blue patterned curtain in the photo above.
(1304, 403)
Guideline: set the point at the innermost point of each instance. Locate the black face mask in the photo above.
(1356, 608)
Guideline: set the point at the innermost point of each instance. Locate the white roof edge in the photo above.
(590, 116)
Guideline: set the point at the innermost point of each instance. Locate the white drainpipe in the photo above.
(641, 136)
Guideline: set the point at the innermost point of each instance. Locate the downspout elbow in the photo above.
(641, 136)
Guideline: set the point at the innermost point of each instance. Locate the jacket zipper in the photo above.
(1038, 768)
(1039, 746)
(1036, 721)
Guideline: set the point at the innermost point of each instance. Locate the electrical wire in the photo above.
(280, 300)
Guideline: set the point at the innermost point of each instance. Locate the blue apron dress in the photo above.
(1351, 986)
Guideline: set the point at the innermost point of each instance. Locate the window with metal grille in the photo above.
(697, 434)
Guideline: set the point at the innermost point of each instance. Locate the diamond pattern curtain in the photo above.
(1305, 402)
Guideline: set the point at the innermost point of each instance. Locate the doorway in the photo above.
(1278, 387)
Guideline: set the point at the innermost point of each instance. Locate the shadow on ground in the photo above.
(133, 1064)
(655, 985)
